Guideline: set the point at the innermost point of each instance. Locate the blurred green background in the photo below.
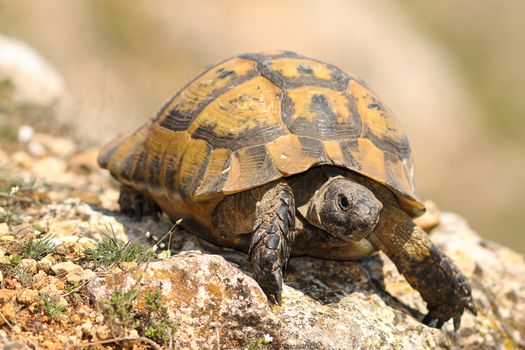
(454, 73)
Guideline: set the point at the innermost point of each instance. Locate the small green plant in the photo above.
(15, 260)
(112, 251)
(39, 229)
(151, 321)
(38, 248)
(11, 187)
(260, 343)
(71, 286)
(52, 306)
(26, 279)
(156, 321)
(118, 310)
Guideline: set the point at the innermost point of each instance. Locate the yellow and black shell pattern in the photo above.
(255, 118)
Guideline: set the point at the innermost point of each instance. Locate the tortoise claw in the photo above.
(154, 210)
(433, 319)
(139, 209)
(472, 308)
(136, 205)
(274, 290)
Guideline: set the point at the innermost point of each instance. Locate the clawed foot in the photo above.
(270, 243)
(135, 205)
(269, 254)
(270, 281)
(438, 316)
(455, 293)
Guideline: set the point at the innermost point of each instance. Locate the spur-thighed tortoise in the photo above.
(275, 153)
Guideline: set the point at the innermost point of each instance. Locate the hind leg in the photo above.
(135, 204)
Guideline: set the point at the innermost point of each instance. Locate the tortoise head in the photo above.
(343, 208)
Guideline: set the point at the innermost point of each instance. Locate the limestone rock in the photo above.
(333, 305)
(213, 304)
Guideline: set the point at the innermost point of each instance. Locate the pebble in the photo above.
(27, 296)
(8, 311)
(44, 265)
(28, 265)
(4, 229)
(51, 169)
(23, 159)
(36, 149)
(86, 159)
(25, 133)
(102, 332)
(66, 267)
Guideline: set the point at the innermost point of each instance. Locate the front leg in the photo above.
(272, 238)
(426, 268)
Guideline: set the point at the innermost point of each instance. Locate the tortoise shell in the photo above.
(255, 118)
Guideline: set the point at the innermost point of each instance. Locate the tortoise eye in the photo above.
(343, 202)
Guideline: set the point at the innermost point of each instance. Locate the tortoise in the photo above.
(275, 154)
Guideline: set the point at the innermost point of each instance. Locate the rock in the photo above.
(34, 81)
(27, 296)
(28, 265)
(8, 311)
(36, 149)
(4, 229)
(57, 146)
(431, 218)
(102, 332)
(7, 344)
(79, 276)
(86, 160)
(50, 169)
(25, 133)
(66, 267)
(213, 304)
(23, 159)
(334, 305)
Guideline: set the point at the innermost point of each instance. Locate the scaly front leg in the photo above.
(425, 266)
(272, 238)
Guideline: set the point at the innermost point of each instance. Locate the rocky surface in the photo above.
(212, 302)
(33, 79)
(336, 305)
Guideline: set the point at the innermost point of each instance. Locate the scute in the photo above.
(189, 102)
(255, 118)
(322, 113)
(247, 115)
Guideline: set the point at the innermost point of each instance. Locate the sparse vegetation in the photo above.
(12, 187)
(16, 194)
(14, 260)
(118, 310)
(25, 278)
(112, 251)
(157, 325)
(52, 306)
(151, 321)
(71, 286)
(259, 344)
(38, 248)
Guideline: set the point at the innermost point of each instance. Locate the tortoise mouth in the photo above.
(359, 231)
